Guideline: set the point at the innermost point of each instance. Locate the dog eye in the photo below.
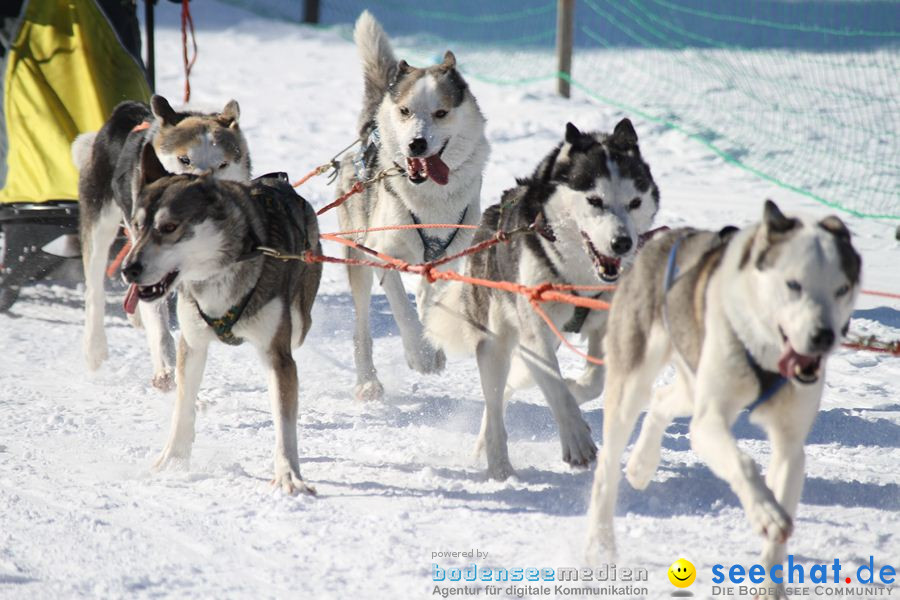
(842, 291)
(440, 114)
(596, 201)
(794, 286)
(404, 111)
(168, 228)
(223, 165)
(634, 204)
(184, 160)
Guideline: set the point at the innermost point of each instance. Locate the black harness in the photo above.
(435, 247)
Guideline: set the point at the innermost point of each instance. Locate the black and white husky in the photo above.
(108, 163)
(201, 236)
(427, 123)
(590, 200)
(749, 318)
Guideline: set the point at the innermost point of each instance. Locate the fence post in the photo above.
(565, 17)
(311, 11)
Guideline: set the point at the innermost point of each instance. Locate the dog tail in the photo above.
(447, 324)
(378, 62)
(82, 148)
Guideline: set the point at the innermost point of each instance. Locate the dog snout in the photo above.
(132, 271)
(622, 244)
(822, 339)
(418, 146)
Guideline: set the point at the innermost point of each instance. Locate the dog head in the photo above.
(805, 275)
(429, 122)
(605, 193)
(191, 142)
(183, 229)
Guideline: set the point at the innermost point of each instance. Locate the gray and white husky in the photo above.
(202, 236)
(749, 318)
(427, 123)
(108, 163)
(589, 201)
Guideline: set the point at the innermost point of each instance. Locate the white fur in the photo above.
(82, 149)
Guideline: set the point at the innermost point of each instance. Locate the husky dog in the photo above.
(749, 317)
(588, 202)
(426, 122)
(202, 235)
(108, 161)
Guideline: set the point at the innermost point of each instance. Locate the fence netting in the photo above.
(803, 93)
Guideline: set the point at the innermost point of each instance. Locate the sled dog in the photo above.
(201, 235)
(426, 123)
(108, 161)
(588, 203)
(749, 318)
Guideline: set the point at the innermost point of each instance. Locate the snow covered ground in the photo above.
(81, 515)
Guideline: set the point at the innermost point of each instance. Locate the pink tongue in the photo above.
(438, 170)
(131, 299)
(790, 360)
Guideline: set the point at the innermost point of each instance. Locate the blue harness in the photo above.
(769, 382)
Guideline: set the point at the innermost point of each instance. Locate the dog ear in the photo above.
(625, 134)
(163, 110)
(836, 227)
(151, 168)
(231, 113)
(572, 133)
(449, 61)
(775, 221)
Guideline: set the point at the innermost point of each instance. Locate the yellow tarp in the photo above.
(65, 73)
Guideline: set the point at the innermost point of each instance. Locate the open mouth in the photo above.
(433, 167)
(608, 268)
(802, 367)
(148, 293)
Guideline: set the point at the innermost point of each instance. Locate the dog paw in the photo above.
(578, 449)
(292, 484)
(426, 360)
(501, 471)
(95, 352)
(771, 521)
(581, 392)
(164, 381)
(641, 466)
(173, 459)
(601, 546)
(370, 391)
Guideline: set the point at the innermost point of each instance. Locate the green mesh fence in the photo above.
(802, 93)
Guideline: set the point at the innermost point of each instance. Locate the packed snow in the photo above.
(82, 515)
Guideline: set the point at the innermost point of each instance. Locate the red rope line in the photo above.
(357, 188)
(187, 21)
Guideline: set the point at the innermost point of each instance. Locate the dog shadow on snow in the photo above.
(687, 488)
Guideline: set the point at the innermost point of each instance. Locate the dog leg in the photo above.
(190, 363)
(715, 410)
(420, 354)
(590, 384)
(668, 402)
(155, 318)
(96, 239)
(539, 354)
(367, 385)
(482, 433)
(787, 424)
(283, 397)
(493, 357)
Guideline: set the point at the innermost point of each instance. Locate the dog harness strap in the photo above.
(435, 247)
(223, 325)
(769, 382)
(576, 322)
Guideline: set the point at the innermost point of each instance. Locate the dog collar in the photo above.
(435, 247)
(223, 325)
(576, 322)
(769, 382)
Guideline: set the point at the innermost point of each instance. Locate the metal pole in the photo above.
(565, 18)
(151, 51)
(311, 11)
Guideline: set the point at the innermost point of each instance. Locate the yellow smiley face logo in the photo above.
(682, 573)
